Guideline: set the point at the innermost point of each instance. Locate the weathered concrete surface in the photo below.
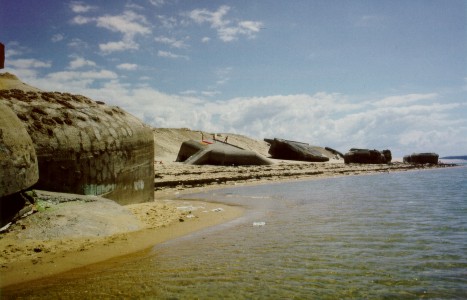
(218, 153)
(292, 150)
(18, 162)
(421, 158)
(367, 156)
(86, 147)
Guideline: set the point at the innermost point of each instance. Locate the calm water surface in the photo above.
(397, 235)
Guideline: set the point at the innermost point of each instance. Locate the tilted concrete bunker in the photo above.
(219, 153)
(86, 147)
(292, 150)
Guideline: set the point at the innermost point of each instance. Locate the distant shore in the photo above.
(29, 253)
(177, 178)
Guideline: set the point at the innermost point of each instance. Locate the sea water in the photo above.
(395, 235)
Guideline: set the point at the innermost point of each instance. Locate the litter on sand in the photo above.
(259, 223)
(218, 209)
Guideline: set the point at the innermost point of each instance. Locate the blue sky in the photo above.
(373, 74)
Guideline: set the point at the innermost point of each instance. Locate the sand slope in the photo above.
(9, 81)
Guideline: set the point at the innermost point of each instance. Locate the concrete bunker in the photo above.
(218, 153)
(421, 158)
(86, 147)
(292, 150)
(367, 156)
(18, 164)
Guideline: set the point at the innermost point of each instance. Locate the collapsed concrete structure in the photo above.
(85, 147)
(218, 153)
(367, 156)
(421, 158)
(292, 150)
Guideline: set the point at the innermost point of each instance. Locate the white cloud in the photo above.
(118, 46)
(210, 93)
(127, 67)
(405, 99)
(171, 42)
(129, 24)
(167, 22)
(134, 6)
(227, 29)
(205, 39)
(81, 20)
(57, 37)
(80, 7)
(168, 54)
(157, 3)
(215, 18)
(65, 76)
(80, 62)
(29, 63)
(78, 44)
(189, 92)
(12, 52)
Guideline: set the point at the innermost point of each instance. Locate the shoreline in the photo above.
(65, 255)
(176, 179)
(34, 259)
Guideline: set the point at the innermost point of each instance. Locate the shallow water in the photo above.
(397, 235)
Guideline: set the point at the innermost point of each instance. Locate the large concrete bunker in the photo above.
(86, 147)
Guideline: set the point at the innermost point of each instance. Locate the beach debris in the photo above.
(259, 223)
(189, 208)
(190, 216)
(219, 209)
(5, 228)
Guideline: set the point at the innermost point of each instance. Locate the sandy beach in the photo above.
(70, 231)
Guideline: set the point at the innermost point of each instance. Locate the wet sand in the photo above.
(74, 234)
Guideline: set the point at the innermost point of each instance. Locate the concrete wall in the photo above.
(87, 147)
(18, 163)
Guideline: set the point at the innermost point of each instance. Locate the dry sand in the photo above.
(71, 231)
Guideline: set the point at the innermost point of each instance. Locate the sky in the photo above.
(363, 74)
